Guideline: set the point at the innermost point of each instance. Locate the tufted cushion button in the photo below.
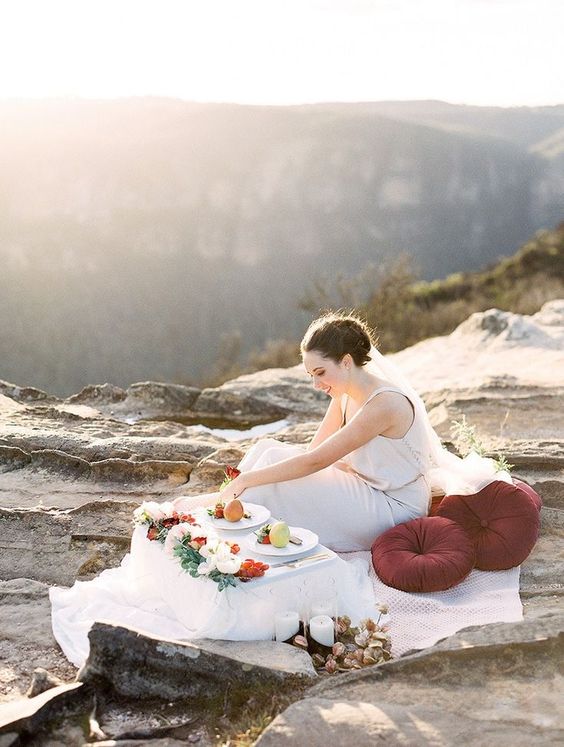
(508, 508)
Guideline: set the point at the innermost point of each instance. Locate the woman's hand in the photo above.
(234, 489)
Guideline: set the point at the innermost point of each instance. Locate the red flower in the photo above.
(153, 532)
(251, 569)
(232, 472)
(235, 548)
(186, 519)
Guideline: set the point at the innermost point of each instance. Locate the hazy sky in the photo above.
(499, 52)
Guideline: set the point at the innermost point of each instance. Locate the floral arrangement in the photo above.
(356, 647)
(160, 518)
(200, 552)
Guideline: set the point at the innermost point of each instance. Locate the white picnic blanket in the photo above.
(420, 620)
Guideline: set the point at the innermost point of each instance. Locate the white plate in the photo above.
(309, 541)
(259, 516)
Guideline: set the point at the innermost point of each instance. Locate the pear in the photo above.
(279, 534)
(233, 510)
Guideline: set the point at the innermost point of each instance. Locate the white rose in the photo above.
(167, 509)
(223, 550)
(209, 548)
(229, 565)
(225, 560)
(153, 510)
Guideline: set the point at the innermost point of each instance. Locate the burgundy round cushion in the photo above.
(533, 495)
(502, 521)
(427, 554)
(435, 503)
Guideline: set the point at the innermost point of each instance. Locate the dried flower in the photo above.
(318, 661)
(362, 638)
(371, 656)
(375, 644)
(330, 666)
(300, 641)
(343, 624)
(338, 649)
(378, 636)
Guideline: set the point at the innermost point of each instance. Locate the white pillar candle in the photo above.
(325, 607)
(286, 624)
(322, 630)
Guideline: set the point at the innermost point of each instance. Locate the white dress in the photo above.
(349, 504)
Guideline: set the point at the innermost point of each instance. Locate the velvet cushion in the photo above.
(435, 503)
(533, 495)
(502, 521)
(427, 554)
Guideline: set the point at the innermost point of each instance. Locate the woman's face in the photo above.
(326, 375)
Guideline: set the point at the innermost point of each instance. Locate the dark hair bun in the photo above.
(335, 334)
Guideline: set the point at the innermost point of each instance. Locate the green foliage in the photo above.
(189, 558)
(465, 437)
(502, 465)
(405, 310)
(467, 441)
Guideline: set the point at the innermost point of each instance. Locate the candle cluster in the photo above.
(320, 629)
(334, 644)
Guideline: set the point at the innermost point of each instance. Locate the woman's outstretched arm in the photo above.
(375, 418)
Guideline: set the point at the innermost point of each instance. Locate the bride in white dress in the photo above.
(365, 469)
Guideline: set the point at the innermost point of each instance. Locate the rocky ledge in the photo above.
(72, 470)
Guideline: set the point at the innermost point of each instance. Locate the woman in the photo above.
(365, 469)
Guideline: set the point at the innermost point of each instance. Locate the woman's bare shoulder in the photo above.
(393, 409)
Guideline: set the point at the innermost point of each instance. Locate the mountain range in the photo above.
(138, 235)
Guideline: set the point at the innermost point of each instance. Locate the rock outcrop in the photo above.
(139, 666)
(72, 471)
(502, 684)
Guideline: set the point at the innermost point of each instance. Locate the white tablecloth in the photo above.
(152, 593)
